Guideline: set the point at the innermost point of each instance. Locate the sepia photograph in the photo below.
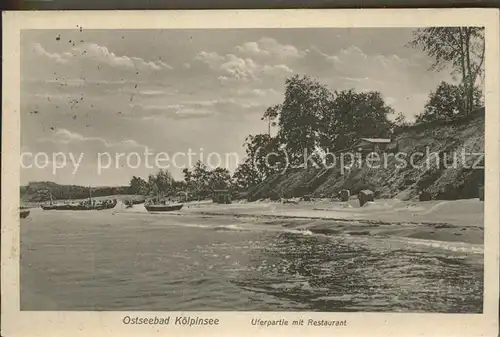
(253, 169)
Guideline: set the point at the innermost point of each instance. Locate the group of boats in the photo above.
(86, 205)
(152, 205)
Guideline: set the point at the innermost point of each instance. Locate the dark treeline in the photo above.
(198, 183)
(43, 191)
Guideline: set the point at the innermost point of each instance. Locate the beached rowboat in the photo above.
(163, 208)
(23, 213)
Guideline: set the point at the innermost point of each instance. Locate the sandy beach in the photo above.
(457, 220)
(440, 220)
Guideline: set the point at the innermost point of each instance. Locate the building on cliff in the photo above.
(369, 145)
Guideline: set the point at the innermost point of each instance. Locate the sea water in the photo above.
(107, 260)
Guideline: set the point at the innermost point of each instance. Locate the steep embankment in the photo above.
(423, 144)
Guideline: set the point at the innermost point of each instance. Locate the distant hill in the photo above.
(460, 182)
(42, 190)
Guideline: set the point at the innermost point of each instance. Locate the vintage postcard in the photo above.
(251, 173)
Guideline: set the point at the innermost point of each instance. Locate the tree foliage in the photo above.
(446, 103)
(246, 176)
(138, 186)
(352, 116)
(201, 181)
(306, 102)
(462, 48)
(162, 183)
(311, 119)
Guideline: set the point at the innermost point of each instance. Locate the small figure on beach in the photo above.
(364, 196)
(344, 195)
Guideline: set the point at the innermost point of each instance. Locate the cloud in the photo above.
(234, 67)
(179, 113)
(219, 103)
(279, 69)
(268, 47)
(352, 64)
(185, 109)
(401, 80)
(211, 58)
(101, 55)
(256, 92)
(152, 92)
(66, 136)
(151, 112)
(238, 67)
(39, 50)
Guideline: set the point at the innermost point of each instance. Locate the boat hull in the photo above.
(78, 207)
(24, 214)
(163, 208)
(55, 207)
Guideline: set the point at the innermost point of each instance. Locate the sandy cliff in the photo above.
(463, 139)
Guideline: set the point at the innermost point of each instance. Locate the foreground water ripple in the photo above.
(111, 261)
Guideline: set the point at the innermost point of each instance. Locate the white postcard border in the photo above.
(32, 324)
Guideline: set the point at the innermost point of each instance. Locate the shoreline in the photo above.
(445, 221)
(450, 221)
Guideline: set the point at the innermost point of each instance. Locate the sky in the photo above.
(91, 99)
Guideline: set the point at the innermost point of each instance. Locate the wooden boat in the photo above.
(163, 208)
(23, 213)
(54, 206)
(88, 205)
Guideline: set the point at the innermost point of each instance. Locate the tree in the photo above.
(138, 186)
(164, 182)
(187, 175)
(160, 184)
(271, 115)
(446, 102)
(153, 188)
(200, 178)
(461, 47)
(188, 179)
(246, 176)
(400, 122)
(352, 116)
(219, 179)
(263, 159)
(264, 154)
(306, 100)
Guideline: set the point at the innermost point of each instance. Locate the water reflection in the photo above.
(346, 274)
(103, 261)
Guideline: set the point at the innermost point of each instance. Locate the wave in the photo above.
(364, 237)
(446, 245)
